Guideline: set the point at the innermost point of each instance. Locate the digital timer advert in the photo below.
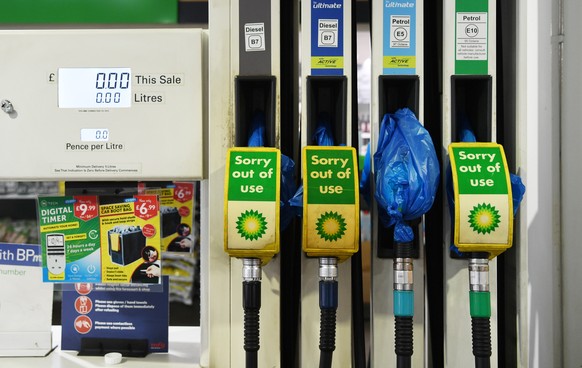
(130, 239)
(70, 239)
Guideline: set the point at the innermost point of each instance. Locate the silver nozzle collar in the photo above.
(328, 269)
(403, 274)
(251, 270)
(478, 274)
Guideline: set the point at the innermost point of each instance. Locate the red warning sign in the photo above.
(83, 304)
(83, 288)
(83, 324)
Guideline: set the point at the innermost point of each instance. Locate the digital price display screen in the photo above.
(81, 88)
(95, 135)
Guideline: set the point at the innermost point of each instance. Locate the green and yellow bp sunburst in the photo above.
(331, 226)
(251, 225)
(484, 218)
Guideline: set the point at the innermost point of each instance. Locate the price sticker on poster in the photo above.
(146, 207)
(331, 209)
(483, 200)
(86, 208)
(251, 209)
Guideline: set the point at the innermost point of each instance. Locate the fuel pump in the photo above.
(108, 89)
(244, 89)
(251, 217)
(330, 226)
(398, 78)
(330, 199)
(484, 206)
(469, 99)
(407, 175)
(107, 115)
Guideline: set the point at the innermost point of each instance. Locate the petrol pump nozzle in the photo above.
(403, 303)
(479, 273)
(480, 308)
(328, 302)
(407, 178)
(482, 222)
(328, 269)
(330, 227)
(252, 205)
(251, 274)
(251, 269)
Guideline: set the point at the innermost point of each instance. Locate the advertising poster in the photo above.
(177, 214)
(130, 240)
(69, 236)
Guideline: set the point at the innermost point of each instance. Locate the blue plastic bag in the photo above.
(322, 135)
(407, 172)
(257, 136)
(288, 189)
(365, 184)
(517, 191)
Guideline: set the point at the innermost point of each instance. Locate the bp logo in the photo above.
(331, 226)
(484, 218)
(251, 225)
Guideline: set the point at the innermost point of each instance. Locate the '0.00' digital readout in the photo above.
(94, 87)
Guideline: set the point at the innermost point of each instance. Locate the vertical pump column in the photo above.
(331, 214)
(397, 79)
(483, 228)
(326, 101)
(469, 71)
(244, 69)
(251, 215)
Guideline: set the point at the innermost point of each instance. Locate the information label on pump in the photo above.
(254, 37)
(330, 201)
(251, 209)
(399, 32)
(327, 33)
(483, 200)
(471, 37)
